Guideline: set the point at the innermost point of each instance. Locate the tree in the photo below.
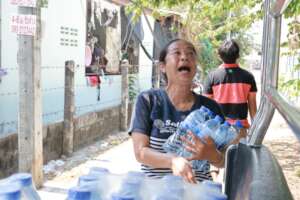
(291, 86)
(207, 23)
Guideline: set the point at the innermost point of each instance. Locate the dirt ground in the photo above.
(287, 152)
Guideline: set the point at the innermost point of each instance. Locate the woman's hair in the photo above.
(229, 51)
(163, 53)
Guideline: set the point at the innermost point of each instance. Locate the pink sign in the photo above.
(23, 24)
(25, 3)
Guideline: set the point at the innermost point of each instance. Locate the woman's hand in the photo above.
(202, 150)
(181, 167)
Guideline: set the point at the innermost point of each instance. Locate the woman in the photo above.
(158, 113)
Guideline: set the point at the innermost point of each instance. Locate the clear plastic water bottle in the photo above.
(131, 185)
(170, 187)
(206, 190)
(24, 180)
(213, 124)
(86, 179)
(79, 193)
(165, 196)
(233, 131)
(173, 143)
(173, 186)
(98, 170)
(222, 136)
(10, 192)
(97, 183)
(205, 129)
(212, 185)
(209, 113)
(198, 116)
(236, 128)
(182, 150)
(117, 196)
(212, 195)
(191, 122)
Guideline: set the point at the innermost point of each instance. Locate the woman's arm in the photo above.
(150, 157)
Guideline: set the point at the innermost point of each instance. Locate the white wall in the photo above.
(63, 13)
(145, 70)
(9, 84)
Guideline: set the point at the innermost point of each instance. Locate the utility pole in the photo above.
(69, 109)
(125, 97)
(30, 137)
(156, 75)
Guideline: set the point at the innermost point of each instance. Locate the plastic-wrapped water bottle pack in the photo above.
(135, 186)
(202, 123)
(18, 186)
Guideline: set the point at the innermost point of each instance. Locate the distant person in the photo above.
(232, 87)
(158, 112)
(99, 59)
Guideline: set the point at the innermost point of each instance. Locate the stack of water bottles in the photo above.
(100, 184)
(202, 122)
(18, 187)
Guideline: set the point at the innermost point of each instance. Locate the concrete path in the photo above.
(120, 159)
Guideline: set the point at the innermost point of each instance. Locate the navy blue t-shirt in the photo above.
(155, 116)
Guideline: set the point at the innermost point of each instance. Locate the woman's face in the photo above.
(180, 63)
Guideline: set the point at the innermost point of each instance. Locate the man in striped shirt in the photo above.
(232, 87)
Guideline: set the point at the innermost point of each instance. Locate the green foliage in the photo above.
(207, 56)
(207, 22)
(291, 87)
(42, 3)
(293, 9)
(132, 87)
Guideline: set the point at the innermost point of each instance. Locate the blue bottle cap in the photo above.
(24, 179)
(205, 108)
(10, 192)
(226, 123)
(238, 124)
(183, 125)
(86, 179)
(202, 109)
(79, 193)
(218, 118)
(199, 133)
(210, 113)
(99, 170)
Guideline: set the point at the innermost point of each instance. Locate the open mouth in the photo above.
(184, 69)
